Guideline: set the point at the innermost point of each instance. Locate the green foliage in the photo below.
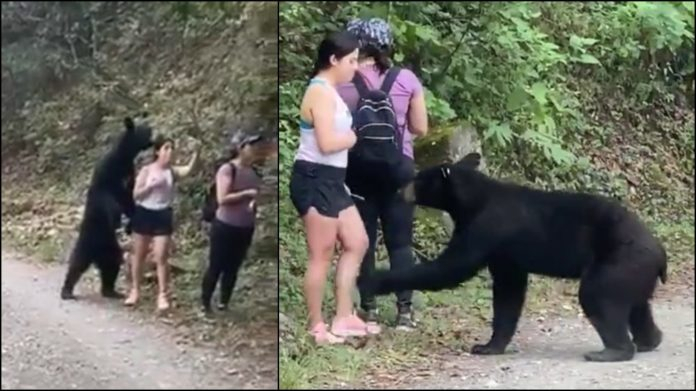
(189, 13)
(563, 95)
(503, 67)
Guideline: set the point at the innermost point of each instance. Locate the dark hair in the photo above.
(233, 152)
(338, 44)
(236, 147)
(381, 57)
(158, 142)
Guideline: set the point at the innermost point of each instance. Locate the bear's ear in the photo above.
(471, 160)
(128, 122)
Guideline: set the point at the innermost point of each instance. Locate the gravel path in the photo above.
(547, 354)
(97, 344)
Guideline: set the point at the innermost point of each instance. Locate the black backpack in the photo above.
(376, 161)
(210, 204)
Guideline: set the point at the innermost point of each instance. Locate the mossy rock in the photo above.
(433, 148)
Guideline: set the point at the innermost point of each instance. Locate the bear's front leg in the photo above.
(509, 291)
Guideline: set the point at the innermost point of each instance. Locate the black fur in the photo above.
(515, 230)
(110, 194)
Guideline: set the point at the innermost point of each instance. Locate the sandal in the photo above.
(162, 302)
(373, 328)
(353, 326)
(322, 336)
(370, 320)
(132, 299)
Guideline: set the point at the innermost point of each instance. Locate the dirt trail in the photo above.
(97, 344)
(547, 354)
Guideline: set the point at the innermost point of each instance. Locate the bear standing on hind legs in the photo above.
(515, 230)
(109, 195)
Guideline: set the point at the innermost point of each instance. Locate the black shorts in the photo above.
(152, 222)
(320, 186)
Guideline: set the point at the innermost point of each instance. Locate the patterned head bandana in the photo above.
(371, 32)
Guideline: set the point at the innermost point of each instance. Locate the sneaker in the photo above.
(132, 298)
(405, 322)
(206, 312)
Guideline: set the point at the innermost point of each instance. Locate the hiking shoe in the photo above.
(405, 322)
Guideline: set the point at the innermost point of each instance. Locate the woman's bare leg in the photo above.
(141, 245)
(161, 252)
(321, 234)
(354, 240)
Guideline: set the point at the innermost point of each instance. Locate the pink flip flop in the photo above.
(353, 326)
(322, 336)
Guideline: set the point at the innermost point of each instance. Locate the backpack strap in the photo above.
(387, 84)
(389, 79)
(233, 168)
(360, 84)
(233, 172)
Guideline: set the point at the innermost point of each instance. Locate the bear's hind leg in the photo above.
(78, 265)
(509, 290)
(646, 335)
(109, 266)
(609, 316)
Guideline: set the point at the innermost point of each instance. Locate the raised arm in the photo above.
(182, 171)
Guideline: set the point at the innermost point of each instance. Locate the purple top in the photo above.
(405, 86)
(240, 213)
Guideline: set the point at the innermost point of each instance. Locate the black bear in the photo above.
(515, 230)
(110, 195)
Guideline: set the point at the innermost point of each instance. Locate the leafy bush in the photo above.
(506, 67)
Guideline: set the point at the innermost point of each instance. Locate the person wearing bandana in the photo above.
(394, 214)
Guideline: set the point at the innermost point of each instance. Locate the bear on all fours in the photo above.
(515, 230)
(110, 194)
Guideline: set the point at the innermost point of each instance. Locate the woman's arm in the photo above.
(418, 114)
(141, 188)
(224, 182)
(321, 104)
(182, 171)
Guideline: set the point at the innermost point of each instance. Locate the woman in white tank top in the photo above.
(153, 218)
(319, 194)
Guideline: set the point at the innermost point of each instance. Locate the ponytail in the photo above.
(382, 62)
(381, 57)
(315, 70)
(233, 152)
